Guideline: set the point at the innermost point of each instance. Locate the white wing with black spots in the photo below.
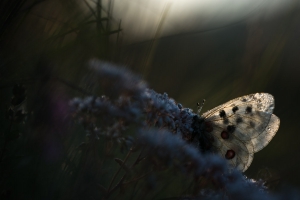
(242, 127)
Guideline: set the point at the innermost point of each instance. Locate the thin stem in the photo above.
(122, 179)
(115, 175)
(116, 186)
(138, 159)
(138, 178)
(71, 85)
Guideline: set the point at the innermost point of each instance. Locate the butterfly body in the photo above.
(237, 129)
(201, 132)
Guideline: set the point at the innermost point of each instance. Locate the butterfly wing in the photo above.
(242, 127)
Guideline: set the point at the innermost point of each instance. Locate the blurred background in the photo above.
(215, 50)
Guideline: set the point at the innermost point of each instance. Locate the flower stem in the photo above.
(115, 175)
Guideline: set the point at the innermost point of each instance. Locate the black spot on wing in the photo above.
(234, 109)
(239, 120)
(252, 124)
(222, 114)
(225, 121)
(248, 109)
(231, 128)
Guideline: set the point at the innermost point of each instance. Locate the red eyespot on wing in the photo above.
(225, 135)
(229, 154)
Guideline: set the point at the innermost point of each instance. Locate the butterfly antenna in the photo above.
(200, 106)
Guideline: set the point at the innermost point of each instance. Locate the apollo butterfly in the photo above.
(238, 129)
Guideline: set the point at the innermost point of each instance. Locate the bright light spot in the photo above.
(140, 18)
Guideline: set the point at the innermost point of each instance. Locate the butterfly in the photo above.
(238, 128)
